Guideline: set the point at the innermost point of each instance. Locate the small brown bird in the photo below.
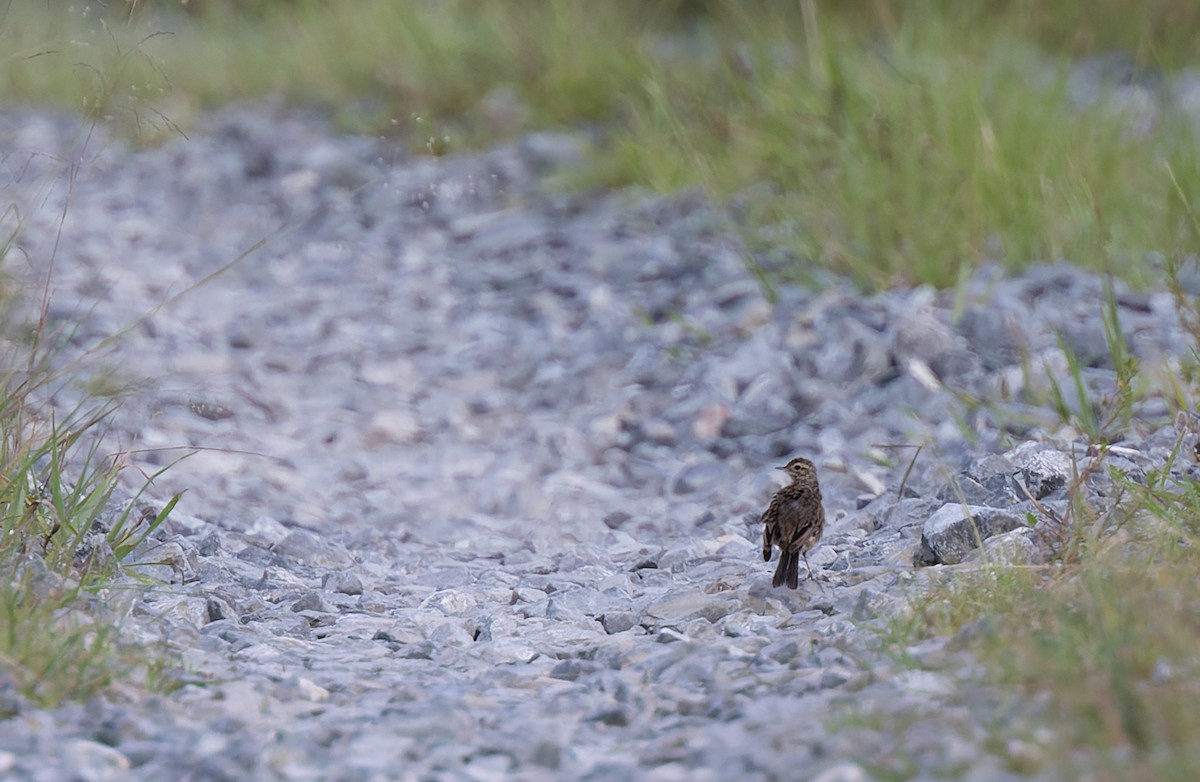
(794, 521)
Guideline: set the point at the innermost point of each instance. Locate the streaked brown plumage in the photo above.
(794, 522)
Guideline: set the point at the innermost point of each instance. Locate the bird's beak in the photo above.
(784, 467)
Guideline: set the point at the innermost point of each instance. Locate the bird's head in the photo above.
(799, 469)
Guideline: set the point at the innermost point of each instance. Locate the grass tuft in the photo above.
(1100, 638)
(61, 547)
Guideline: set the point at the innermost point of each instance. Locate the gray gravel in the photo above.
(483, 462)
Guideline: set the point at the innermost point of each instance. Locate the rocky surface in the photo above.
(478, 467)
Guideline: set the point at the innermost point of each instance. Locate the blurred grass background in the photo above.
(895, 142)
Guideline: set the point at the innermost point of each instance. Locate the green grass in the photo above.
(1103, 636)
(900, 142)
(1107, 644)
(60, 551)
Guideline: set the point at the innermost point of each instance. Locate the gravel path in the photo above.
(482, 468)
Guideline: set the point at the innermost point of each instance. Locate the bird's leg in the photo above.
(810, 573)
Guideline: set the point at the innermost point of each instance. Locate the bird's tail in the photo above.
(788, 570)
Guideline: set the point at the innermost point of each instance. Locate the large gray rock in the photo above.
(954, 531)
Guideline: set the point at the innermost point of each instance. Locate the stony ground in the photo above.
(477, 468)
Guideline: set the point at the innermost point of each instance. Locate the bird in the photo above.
(794, 522)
